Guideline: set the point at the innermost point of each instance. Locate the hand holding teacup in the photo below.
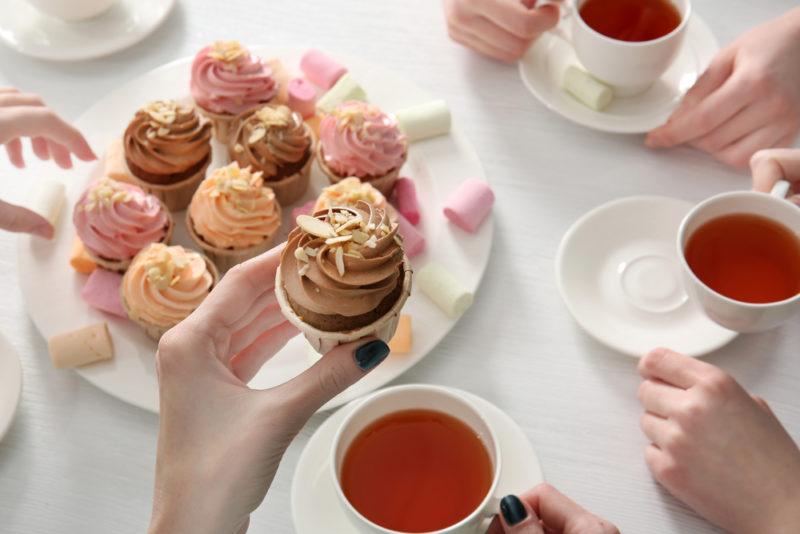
(773, 165)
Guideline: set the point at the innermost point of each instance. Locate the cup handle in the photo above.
(491, 511)
(566, 9)
(780, 189)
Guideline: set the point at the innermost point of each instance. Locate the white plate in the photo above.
(33, 33)
(617, 270)
(437, 165)
(543, 65)
(10, 384)
(315, 505)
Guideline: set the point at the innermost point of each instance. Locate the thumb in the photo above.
(18, 219)
(335, 372)
(517, 517)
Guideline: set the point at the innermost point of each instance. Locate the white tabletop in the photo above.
(77, 460)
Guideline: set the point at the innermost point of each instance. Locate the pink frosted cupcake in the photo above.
(358, 139)
(227, 81)
(115, 220)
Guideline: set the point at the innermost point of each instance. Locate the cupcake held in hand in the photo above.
(233, 217)
(164, 285)
(275, 141)
(358, 139)
(115, 221)
(167, 150)
(343, 275)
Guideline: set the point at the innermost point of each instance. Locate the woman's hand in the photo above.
(748, 98)
(771, 166)
(716, 448)
(500, 29)
(544, 509)
(25, 115)
(220, 442)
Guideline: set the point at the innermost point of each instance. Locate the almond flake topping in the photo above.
(339, 239)
(300, 254)
(274, 116)
(106, 193)
(227, 51)
(163, 268)
(311, 252)
(256, 135)
(340, 260)
(312, 225)
(163, 112)
(303, 270)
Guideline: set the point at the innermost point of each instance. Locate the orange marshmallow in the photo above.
(401, 342)
(79, 259)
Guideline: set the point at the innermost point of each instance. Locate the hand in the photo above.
(25, 115)
(771, 166)
(500, 29)
(220, 442)
(716, 448)
(748, 98)
(544, 509)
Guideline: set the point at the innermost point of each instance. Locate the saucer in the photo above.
(10, 384)
(618, 271)
(315, 504)
(33, 33)
(543, 66)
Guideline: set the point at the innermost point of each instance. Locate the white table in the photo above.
(77, 460)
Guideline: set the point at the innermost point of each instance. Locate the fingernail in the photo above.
(513, 510)
(371, 354)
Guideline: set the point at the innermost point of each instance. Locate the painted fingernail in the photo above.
(513, 510)
(371, 354)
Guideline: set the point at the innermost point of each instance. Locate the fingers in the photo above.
(561, 514)
(772, 165)
(482, 47)
(60, 155)
(269, 317)
(18, 99)
(749, 119)
(517, 517)
(18, 219)
(246, 364)
(14, 151)
(739, 153)
(659, 398)
(517, 19)
(712, 79)
(40, 148)
(764, 405)
(672, 368)
(26, 121)
(657, 429)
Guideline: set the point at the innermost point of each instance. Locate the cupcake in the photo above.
(349, 192)
(167, 150)
(275, 141)
(343, 275)
(358, 139)
(227, 80)
(163, 285)
(115, 221)
(233, 217)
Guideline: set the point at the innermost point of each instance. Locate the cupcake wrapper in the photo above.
(323, 342)
(224, 125)
(225, 258)
(384, 183)
(174, 196)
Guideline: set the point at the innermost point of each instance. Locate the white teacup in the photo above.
(72, 10)
(411, 397)
(629, 67)
(732, 314)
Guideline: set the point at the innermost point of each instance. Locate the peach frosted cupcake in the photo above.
(349, 192)
(358, 139)
(233, 217)
(275, 141)
(163, 285)
(115, 220)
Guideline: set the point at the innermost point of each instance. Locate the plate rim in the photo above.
(7, 348)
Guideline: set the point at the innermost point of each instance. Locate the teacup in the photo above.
(733, 314)
(72, 10)
(414, 397)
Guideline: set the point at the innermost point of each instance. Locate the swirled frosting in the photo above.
(342, 261)
(116, 220)
(272, 139)
(349, 192)
(228, 79)
(165, 284)
(166, 142)
(233, 209)
(358, 139)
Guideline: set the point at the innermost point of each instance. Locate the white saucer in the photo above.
(33, 33)
(10, 384)
(617, 270)
(315, 505)
(544, 63)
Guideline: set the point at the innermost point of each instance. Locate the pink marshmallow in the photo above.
(305, 209)
(101, 291)
(302, 97)
(413, 240)
(404, 199)
(321, 69)
(469, 204)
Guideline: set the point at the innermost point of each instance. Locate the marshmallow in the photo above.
(413, 240)
(79, 259)
(404, 199)
(469, 204)
(424, 120)
(281, 76)
(305, 209)
(115, 166)
(587, 89)
(321, 68)
(79, 347)
(102, 291)
(401, 341)
(302, 97)
(47, 198)
(443, 289)
(345, 89)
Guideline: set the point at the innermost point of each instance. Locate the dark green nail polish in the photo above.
(371, 354)
(513, 510)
